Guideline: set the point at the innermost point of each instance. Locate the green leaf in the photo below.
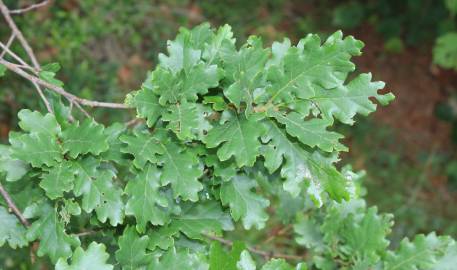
(182, 56)
(182, 169)
(162, 237)
(445, 51)
(114, 152)
(146, 202)
(35, 122)
(132, 250)
(336, 215)
(85, 170)
(58, 179)
(238, 136)
(221, 260)
(146, 104)
(187, 120)
(207, 217)
(179, 259)
(37, 149)
(182, 74)
(54, 241)
(246, 262)
(100, 194)
(182, 119)
(13, 168)
(173, 88)
(143, 146)
(422, 253)
(310, 132)
(49, 76)
(11, 231)
(345, 101)
(366, 238)
(51, 67)
(278, 264)
(218, 102)
(308, 233)
(2, 70)
(449, 260)
(298, 165)
(94, 258)
(311, 64)
(244, 203)
(221, 42)
(245, 72)
(223, 169)
(89, 137)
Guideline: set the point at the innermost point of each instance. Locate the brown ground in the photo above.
(418, 87)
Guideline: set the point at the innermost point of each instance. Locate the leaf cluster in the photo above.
(230, 136)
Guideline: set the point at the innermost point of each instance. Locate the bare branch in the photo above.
(13, 206)
(6, 14)
(81, 109)
(8, 44)
(267, 255)
(16, 57)
(29, 8)
(72, 98)
(36, 67)
(17, 33)
(85, 233)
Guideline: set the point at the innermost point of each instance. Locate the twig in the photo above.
(86, 233)
(13, 207)
(8, 44)
(278, 233)
(72, 98)
(133, 122)
(267, 255)
(81, 109)
(43, 97)
(17, 33)
(6, 14)
(31, 7)
(17, 58)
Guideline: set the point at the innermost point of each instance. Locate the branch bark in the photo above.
(6, 14)
(72, 98)
(29, 8)
(267, 255)
(13, 206)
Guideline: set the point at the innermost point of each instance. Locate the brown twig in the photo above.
(17, 33)
(37, 82)
(29, 8)
(278, 233)
(13, 206)
(72, 98)
(7, 50)
(267, 255)
(8, 44)
(6, 14)
(85, 233)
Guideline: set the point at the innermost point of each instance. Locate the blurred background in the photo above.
(408, 149)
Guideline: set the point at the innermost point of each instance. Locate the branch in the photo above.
(86, 233)
(267, 255)
(8, 44)
(17, 33)
(31, 7)
(13, 206)
(6, 14)
(72, 98)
